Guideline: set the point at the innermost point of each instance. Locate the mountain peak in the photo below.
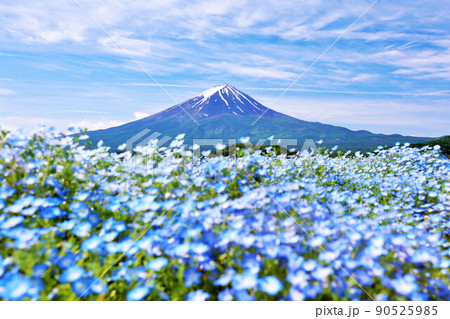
(222, 100)
(214, 89)
(222, 89)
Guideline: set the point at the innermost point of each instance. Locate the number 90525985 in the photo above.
(406, 310)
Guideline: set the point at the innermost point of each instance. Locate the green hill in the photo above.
(443, 142)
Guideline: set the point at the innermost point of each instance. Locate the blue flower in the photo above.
(82, 229)
(98, 287)
(120, 226)
(29, 180)
(225, 295)
(19, 204)
(226, 278)
(228, 236)
(12, 222)
(251, 262)
(270, 285)
(39, 269)
(339, 286)
(298, 278)
(51, 212)
(362, 277)
(66, 261)
(310, 265)
(157, 263)
(71, 274)
(4, 263)
(336, 208)
(198, 295)
(169, 204)
(375, 248)
(67, 224)
(243, 295)
(182, 250)
(16, 287)
(382, 297)
(311, 291)
(91, 243)
(29, 211)
(316, 241)
(199, 248)
(191, 277)
(47, 202)
(194, 231)
(419, 296)
(321, 273)
(295, 294)
(6, 191)
(93, 219)
(109, 237)
(80, 209)
(246, 280)
(423, 255)
(354, 294)
(138, 293)
(81, 287)
(405, 285)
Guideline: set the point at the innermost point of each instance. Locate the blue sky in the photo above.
(390, 73)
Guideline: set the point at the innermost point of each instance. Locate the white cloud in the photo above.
(425, 63)
(363, 77)
(165, 85)
(96, 124)
(14, 123)
(36, 23)
(6, 91)
(271, 72)
(128, 45)
(140, 115)
(353, 93)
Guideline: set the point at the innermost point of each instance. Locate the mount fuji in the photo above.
(218, 101)
(224, 112)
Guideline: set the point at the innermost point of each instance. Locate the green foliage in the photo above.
(443, 142)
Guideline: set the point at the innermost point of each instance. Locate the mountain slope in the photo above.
(223, 112)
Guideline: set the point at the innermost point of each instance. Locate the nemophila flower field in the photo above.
(80, 223)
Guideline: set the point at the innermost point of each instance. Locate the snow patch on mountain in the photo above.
(210, 92)
(223, 99)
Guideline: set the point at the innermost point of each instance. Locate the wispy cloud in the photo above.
(140, 115)
(95, 124)
(4, 91)
(165, 84)
(57, 58)
(431, 93)
(251, 71)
